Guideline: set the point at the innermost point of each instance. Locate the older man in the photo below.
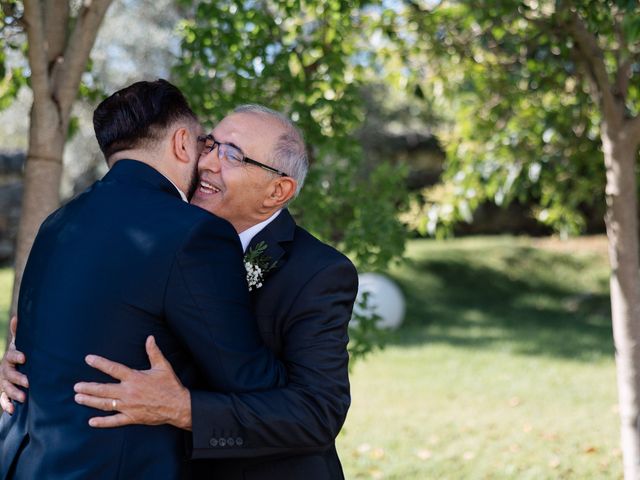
(252, 165)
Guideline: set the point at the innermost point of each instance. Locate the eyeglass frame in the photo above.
(245, 159)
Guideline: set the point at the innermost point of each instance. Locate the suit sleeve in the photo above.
(305, 415)
(207, 305)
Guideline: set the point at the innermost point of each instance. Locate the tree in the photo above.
(300, 57)
(309, 60)
(60, 38)
(543, 86)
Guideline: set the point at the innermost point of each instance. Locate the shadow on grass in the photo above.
(519, 299)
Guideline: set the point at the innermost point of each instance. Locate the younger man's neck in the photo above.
(154, 161)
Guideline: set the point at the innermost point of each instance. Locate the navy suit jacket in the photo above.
(303, 310)
(127, 259)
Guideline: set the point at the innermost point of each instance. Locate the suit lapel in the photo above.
(277, 235)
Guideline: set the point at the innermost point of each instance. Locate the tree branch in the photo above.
(623, 57)
(633, 128)
(623, 76)
(37, 54)
(622, 50)
(68, 73)
(56, 20)
(592, 58)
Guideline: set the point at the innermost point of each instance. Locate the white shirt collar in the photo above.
(182, 194)
(249, 233)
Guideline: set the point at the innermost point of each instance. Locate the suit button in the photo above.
(231, 441)
(239, 441)
(222, 442)
(213, 442)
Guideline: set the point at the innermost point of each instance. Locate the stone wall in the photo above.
(11, 165)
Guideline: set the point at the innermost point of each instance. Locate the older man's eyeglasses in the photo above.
(232, 154)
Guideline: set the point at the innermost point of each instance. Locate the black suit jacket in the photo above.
(303, 310)
(126, 259)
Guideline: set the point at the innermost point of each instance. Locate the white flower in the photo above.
(254, 275)
(257, 265)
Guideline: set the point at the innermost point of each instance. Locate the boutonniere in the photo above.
(257, 264)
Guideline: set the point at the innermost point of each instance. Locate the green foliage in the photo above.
(91, 88)
(302, 58)
(257, 257)
(364, 335)
(11, 75)
(520, 122)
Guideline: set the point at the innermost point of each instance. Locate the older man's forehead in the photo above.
(230, 130)
(245, 129)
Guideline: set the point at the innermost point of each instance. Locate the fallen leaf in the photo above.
(514, 402)
(423, 454)
(468, 456)
(364, 448)
(377, 453)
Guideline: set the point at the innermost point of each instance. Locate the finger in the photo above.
(102, 390)
(15, 357)
(15, 377)
(104, 404)
(113, 369)
(110, 421)
(13, 392)
(156, 358)
(13, 326)
(6, 404)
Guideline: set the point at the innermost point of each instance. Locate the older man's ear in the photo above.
(281, 191)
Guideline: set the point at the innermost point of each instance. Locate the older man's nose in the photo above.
(209, 161)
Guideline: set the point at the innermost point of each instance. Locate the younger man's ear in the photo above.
(180, 144)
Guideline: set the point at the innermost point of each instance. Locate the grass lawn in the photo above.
(503, 369)
(6, 284)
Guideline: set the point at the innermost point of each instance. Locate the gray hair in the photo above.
(289, 154)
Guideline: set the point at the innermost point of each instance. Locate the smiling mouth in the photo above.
(207, 188)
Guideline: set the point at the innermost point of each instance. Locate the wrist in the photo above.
(182, 419)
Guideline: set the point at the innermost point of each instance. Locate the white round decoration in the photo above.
(385, 299)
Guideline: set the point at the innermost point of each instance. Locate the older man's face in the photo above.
(236, 192)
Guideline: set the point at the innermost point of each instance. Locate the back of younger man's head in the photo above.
(138, 116)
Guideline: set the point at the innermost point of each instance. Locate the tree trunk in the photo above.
(58, 54)
(620, 154)
(43, 171)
